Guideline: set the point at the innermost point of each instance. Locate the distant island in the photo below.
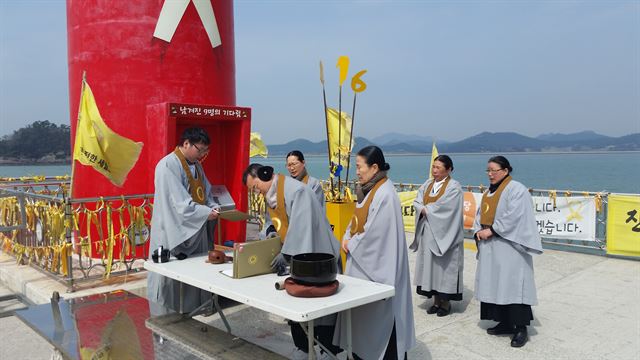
(42, 142)
(46, 143)
(486, 142)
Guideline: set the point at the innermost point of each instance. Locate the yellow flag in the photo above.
(339, 139)
(434, 154)
(256, 146)
(98, 146)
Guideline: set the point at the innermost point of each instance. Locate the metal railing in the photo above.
(41, 226)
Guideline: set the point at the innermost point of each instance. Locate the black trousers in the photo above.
(323, 334)
(392, 348)
(511, 314)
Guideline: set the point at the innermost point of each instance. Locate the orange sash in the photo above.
(361, 214)
(490, 203)
(279, 216)
(196, 186)
(427, 193)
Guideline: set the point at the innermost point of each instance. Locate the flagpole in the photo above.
(339, 137)
(326, 123)
(353, 120)
(73, 158)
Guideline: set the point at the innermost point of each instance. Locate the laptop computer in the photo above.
(254, 257)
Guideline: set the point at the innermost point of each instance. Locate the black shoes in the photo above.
(520, 337)
(440, 310)
(501, 329)
(433, 309)
(444, 312)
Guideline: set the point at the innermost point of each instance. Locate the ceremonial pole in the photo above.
(353, 121)
(343, 65)
(326, 121)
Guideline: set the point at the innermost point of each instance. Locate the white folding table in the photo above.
(260, 292)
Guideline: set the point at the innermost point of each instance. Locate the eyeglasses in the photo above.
(293, 164)
(491, 171)
(200, 151)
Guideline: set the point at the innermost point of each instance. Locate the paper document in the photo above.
(228, 272)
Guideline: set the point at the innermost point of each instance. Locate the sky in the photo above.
(447, 69)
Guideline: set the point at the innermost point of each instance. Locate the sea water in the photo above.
(608, 172)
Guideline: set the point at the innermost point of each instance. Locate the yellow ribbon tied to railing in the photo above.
(553, 195)
(110, 239)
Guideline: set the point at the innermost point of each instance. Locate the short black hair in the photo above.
(296, 153)
(250, 170)
(502, 161)
(373, 155)
(446, 160)
(195, 135)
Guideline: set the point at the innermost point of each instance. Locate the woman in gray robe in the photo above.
(298, 170)
(305, 229)
(377, 251)
(507, 237)
(439, 238)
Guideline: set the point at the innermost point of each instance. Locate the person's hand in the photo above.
(213, 214)
(345, 248)
(272, 234)
(484, 234)
(279, 262)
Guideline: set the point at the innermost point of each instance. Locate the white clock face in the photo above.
(138, 236)
(39, 232)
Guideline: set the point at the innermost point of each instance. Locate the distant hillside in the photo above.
(575, 137)
(489, 142)
(310, 148)
(483, 142)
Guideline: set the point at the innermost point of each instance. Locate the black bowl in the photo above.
(314, 269)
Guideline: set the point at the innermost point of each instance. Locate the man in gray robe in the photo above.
(439, 240)
(504, 275)
(380, 254)
(306, 230)
(179, 223)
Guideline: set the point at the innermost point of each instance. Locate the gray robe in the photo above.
(179, 224)
(504, 274)
(316, 187)
(309, 230)
(380, 254)
(439, 240)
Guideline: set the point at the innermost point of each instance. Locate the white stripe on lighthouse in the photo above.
(172, 12)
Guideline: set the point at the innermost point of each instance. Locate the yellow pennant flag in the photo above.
(339, 135)
(98, 146)
(434, 154)
(257, 146)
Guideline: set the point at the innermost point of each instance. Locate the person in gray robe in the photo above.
(507, 237)
(377, 251)
(297, 169)
(182, 220)
(439, 238)
(304, 228)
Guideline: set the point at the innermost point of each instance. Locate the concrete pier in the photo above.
(589, 308)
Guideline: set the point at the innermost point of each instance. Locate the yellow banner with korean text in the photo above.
(98, 146)
(408, 211)
(623, 225)
(340, 139)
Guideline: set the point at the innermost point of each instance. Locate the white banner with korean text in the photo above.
(571, 217)
(568, 217)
